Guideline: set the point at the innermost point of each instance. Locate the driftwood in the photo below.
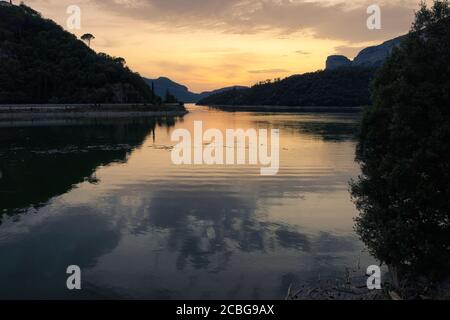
(394, 295)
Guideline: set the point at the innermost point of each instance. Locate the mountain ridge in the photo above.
(180, 91)
(371, 57)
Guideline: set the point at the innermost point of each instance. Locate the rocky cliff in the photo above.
(371, 57)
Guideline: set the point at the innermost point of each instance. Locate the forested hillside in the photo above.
(42, 63)
(340, 87)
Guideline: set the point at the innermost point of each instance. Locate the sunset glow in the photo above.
(210, 44)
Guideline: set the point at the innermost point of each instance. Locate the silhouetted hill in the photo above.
(343, 83)
(181, 92)
(341, 87)
(210, 93)
(42, 63)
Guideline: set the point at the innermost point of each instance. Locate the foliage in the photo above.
(403, 194)
(42, 63)
(170, 98)
(340, 87)
(87, 37)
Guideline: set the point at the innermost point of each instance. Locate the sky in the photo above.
(209, 44)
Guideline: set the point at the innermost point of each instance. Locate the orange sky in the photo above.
(208, 44)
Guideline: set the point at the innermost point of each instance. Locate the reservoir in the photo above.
(104, 194)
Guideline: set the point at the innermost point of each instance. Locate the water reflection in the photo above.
(328, 127)
(209, 225)
(39, 160)
(34, 262)
(143, 228)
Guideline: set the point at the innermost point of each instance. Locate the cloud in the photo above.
(331, 20)
(302, 52)
(264, 71)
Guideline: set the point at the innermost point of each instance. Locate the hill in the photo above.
(340, 87)
(181, 92)
(344, 83)
(206, 94)
(42, 63)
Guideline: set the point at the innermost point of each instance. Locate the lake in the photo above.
(104, 195)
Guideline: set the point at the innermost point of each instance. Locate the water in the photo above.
(104, 195)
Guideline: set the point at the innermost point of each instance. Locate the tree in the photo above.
(403, 193)
(170, 98)
(153, 91)
(120, 61)
(87, 37)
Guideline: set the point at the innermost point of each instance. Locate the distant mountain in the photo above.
(163, 84)
(42, 63)
(181, 92)
(372, 57)
(343, 87)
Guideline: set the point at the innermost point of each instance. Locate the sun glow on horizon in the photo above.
(227, 48)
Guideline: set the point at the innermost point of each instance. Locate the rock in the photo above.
(335, 62)
(376, 55)
(369, 57)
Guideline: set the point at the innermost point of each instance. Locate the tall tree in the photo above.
(153, 91)
(403, 193)
(87, 37)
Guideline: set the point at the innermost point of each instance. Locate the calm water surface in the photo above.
(104, 195)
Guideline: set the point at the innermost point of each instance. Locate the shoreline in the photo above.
(266, 108)
(13, 112)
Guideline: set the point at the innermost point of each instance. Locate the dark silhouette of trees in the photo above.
(42, 63)
(153, 90)
(335, 88)
(170, 98)
(403, 193)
